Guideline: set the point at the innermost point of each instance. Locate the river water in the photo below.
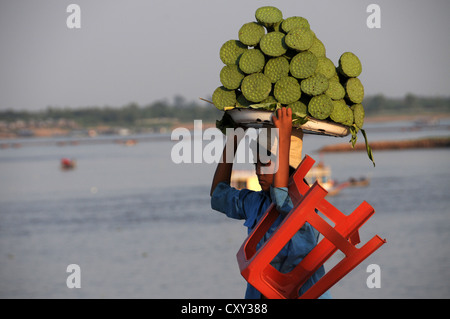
(140, 226)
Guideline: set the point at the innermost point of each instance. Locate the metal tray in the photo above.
(261, 118)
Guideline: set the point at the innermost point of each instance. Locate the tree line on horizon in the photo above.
(181, 111)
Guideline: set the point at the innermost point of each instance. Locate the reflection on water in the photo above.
(141, 226)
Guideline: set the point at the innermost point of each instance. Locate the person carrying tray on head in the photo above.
(251, 205)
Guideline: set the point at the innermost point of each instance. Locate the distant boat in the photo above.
(322, 174)
(427, 121)
(130, 142)
(67, 163)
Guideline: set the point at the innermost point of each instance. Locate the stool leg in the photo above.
(343, 268)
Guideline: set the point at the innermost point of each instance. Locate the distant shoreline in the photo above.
(401, 117)
(431, 142)
(48, 132)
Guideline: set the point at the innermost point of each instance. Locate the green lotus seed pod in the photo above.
(252, 61)
(276, 68)
(320, 106)
(349, 117)
(300, 39)
(272, 44)
(349, 65)
(292, 23)
(317, 48)
(256, 87)
(335, 77)
(354, 90)
(303, 65)
(251, 33)
(326, 67)
(269, 99)
(358, 115)
(231, 50)
(298, 108)
(287, 90)
(335, 90)
(316, 84)
(223, 97)
(341, 113)
(231, 76)
(268, 16)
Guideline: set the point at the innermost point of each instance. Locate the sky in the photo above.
(143, 51)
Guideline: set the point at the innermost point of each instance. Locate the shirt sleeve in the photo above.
(282, 200)
(229, 200)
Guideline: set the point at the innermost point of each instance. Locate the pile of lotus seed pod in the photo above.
(278, 61)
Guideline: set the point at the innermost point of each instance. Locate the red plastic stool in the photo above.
(255, 264)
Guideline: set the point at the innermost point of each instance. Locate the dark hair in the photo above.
(291, 170)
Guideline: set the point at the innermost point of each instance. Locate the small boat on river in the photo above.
(67, 163)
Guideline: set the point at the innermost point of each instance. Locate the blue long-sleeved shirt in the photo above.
(251, 206)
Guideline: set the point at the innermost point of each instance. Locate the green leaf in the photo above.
(368, 148)
(265, 106)
(299, 120)
(354, 132)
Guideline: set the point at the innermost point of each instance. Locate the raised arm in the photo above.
(225, 166)
(283, 121)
